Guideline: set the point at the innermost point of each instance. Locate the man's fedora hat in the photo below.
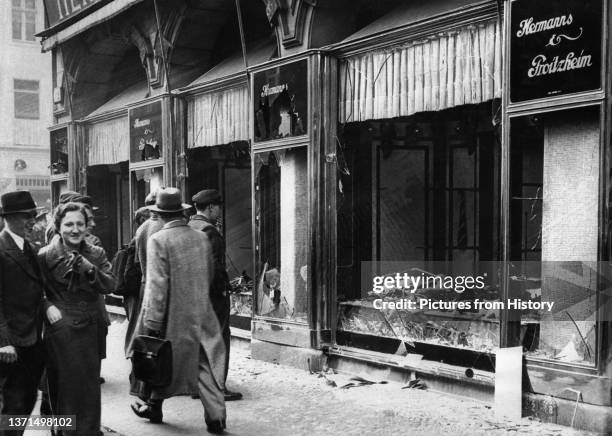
(16, 202)
(169, 200)
(207, 196)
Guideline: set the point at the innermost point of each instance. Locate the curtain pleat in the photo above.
(451, 69)
(109, 141)
(219, 117)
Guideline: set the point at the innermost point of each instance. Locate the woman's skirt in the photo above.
(74, 346)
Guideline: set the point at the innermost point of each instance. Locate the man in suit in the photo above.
(177, 307)
(208, 210)
(21, 305)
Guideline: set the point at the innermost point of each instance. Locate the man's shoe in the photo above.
(216, 427)
(152, 411)
(232, 396)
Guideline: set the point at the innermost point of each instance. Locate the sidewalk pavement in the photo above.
(285, 401)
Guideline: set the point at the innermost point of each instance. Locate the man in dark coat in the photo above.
(176, 305)
(21, 306)
(152, 409)
(208, 206)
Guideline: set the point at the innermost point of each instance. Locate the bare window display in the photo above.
(420, 189)
(553, 251)
(281, 220)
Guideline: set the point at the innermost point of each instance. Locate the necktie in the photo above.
(29, 253)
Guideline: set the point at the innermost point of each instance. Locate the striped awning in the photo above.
(463, 66)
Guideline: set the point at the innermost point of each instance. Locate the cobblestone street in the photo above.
(283, 401)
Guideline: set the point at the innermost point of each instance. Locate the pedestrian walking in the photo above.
(76, 273)
(21, 305)
(177, 307)
(149, 408)
(208, 204)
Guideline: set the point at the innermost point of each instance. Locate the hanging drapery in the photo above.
(454, 68)
(218, 117)
(109, 141)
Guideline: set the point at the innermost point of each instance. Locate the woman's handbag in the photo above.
(152, 360)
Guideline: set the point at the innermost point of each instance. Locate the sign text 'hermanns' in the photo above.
(555, 48)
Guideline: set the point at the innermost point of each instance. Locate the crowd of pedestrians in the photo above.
(53, 320)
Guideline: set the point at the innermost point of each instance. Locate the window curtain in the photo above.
(109, 141)
(218, 117)
(458, 67)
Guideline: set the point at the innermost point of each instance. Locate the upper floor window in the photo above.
(26, 99)
(24, 20)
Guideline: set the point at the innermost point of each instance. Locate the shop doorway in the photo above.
(227, 168)
(108, 186)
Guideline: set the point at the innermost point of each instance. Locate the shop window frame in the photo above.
(263, 326)
(510, 110)
(509, 333)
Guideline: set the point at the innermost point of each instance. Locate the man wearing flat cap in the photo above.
(21, 306)
(208, 204)
(176, 305)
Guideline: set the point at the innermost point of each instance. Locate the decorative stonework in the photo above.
(290, 19)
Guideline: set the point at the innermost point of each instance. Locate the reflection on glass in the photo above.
(282, 233)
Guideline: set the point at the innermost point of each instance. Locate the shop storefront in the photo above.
(219, 157)
(446, 139)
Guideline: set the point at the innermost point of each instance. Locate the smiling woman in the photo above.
(76, 273)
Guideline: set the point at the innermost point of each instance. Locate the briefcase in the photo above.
(152, 360)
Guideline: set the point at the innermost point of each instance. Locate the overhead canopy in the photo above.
(462, 65)
(408, 14)
(220, 113)
(257, 53)
(108, 140)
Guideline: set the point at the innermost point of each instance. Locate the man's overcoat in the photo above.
(177, 303)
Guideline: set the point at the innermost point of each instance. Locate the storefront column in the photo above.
(168, 138)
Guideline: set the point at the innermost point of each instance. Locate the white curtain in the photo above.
(109, 141)
(219, 117)
(454, 68)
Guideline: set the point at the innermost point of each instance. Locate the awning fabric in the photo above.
(218, 117)
(463, 66)
(109, 141)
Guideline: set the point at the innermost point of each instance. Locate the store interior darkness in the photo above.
(419, 189)
(227, 168)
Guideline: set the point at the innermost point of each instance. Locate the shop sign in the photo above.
(555, 48)
(281, 101)
(58, 11)
(146, 132)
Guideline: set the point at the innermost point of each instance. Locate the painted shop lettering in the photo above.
(270, 90)
(141, 123)
(541, 66)
(528, 27)
(66, 8)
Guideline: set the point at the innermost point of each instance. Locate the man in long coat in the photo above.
(208, 209)
(152, 409)
(21, 306)
(177, 307)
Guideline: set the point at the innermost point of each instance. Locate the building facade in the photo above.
(462, 143)
(25, 87)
